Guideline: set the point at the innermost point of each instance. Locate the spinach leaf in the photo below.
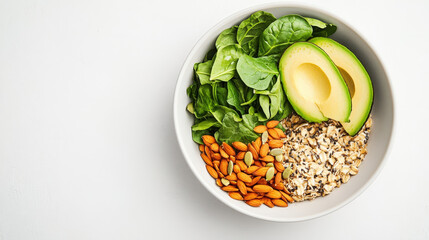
(225, 63)
(321, 29)
(206, 124)
(234, 99)
(250, 29)
(192, 91)
(205, 102)
(276, 95)
(202, 71)
(251, 100)
(210, 55)
(241, 87)
(264, 101)
(232, 130)
(282, 33)
(250, 121)
(220, 111)
(251, 110)
(227, 37)
(220, 93)
(257, 73)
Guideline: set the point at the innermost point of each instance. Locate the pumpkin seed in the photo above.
(269, 165)
(230, 167)
(225, 182)
(270, 174)
(287, 172)
(264, 137)
(279, 158)
(248, 158)
(276, 151)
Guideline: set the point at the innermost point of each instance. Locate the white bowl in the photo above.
(382, 113)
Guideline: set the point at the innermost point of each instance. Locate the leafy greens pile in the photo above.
(237, 86)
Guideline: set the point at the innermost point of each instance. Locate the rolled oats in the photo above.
(320, 156)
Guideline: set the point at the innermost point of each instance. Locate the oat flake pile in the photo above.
(321, 156)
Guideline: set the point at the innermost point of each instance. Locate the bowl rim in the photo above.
(197, 173)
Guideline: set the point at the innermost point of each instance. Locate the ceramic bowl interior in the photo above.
(382, 113)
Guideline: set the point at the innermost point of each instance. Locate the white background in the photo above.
(87, 144)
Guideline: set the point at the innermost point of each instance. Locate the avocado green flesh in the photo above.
(313, 84)
(357, 79)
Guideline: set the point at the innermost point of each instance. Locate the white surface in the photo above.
(382, 115)
(87, 146)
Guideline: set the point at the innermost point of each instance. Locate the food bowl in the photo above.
(378, 145)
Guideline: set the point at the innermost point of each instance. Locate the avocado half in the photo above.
(313, 84)
(357, 80)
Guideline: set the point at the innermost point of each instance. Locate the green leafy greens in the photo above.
(237, 85)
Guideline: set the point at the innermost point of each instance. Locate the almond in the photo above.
(254, 181)
(280, 132)
(255, 154)
(233, 182)
(273, 133)
(211, 171)
(279, 203)
(223, 153)
(278, 186)
(214, 147)
(228, 149)
(249, 189)
(201, 147)
(240, 155)
(230, 188)
(272, 123)
(235, 195)
(241, 164)
(232, 158)
(278, 178)
(267, 202)
(219, 183)
(208, 140)
(232, 177)
(260, 129)
(274, 194)
(262, 181)
(216, 156)
(208, 152)
(206, 159)
(252, 169)
(275, 143)
(257, 144)
(262, 188)
(216, 164)
(267, 158)
(279, 166)
(242, 187)
(258, 163)
(262, 171)
(240, 146)
(223, 167)
(244, 177)
(286, 191)
(237, 168)
(254, 202)
(287, 197)
(250, 196)
(265, 149)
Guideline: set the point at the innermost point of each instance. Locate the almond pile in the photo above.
(253, 173)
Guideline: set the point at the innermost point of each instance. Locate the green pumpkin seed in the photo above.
(287, 172)
(269, 165)
(230, 167)
(270, 174)
(279, 158)
(276, 151)
(264, 137)
(248, 158)
(224, 181)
